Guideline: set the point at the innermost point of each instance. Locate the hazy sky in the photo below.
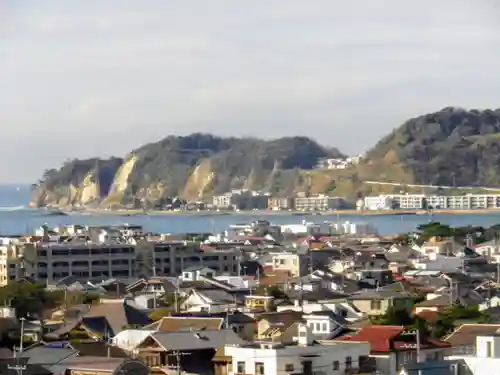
(82, 78)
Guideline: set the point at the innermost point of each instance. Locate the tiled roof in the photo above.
(384, 339)
(200, 340)
(379, 337)
(178, 324)
(466, 334)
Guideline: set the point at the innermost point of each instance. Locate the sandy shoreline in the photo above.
(125, 212)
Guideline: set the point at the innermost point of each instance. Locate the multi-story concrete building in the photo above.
(422, 201)
(319, 203)
(301, 355)
(241, 200)
(277, 204)
(105, 257)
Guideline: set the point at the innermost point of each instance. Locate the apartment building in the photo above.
(278, 204)
(171, 258)
(319, 203)
(49, 260)
(422, 201)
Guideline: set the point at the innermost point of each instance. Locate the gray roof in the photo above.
(41, 355)
(203, 339)
(217, 296)
(380, 294)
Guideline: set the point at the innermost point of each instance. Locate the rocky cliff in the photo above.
(193, 167)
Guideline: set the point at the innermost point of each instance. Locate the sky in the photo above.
(89, 78)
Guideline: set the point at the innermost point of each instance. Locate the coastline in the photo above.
(138, 212)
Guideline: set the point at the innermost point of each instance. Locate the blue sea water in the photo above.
(16, 218)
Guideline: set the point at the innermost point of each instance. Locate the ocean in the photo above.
(16, 218)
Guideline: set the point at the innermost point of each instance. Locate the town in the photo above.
(258, 298)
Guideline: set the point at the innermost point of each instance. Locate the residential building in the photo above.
(223, 200)
(105, 254)
(319, 203)
(278, 204)
(356, 229)
(161, 351)
(379, 202)
(297, 354)
(463, 339)
(393, 347)
(373, 302)
(241, 200)
(422, 201)
(484, 361)
(291, 261)
(333, 163)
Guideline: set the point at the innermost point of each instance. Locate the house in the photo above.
(274, 324)
(373, 302)
(162, 351)
(301, 356)
(325, 325)
(463, 339)
(209, 300)
(170, 324)
(193, 273)
(485, 360)
(393, 346)
(157, 284)
(104, 320)
(66, 359)
(259, 303)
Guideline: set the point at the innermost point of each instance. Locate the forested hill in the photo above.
(194, 167)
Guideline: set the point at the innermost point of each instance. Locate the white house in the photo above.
(193, 273)
(210, 300)
(486, 360)
(303, 356)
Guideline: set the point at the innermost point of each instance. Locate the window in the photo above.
(348, 363)
(489, 350)
(375, 305)
(289, 368)
(259, 368)
(336, 365)
(325, 327)
(318, 327)
(240, 366)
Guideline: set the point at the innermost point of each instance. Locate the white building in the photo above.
(303, 356)
(486, 360)
(379, 202)
(319, 203)
(357, 229)
(422, 201)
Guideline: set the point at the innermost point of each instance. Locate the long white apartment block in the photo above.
(422, 202)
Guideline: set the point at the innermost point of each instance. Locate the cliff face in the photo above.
(193, 167)
(77, 182)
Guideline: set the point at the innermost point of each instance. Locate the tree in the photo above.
(158, 314)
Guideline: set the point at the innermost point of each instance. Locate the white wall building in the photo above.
(357, 229)
(380, 202)
(303, 357)
(486, 361)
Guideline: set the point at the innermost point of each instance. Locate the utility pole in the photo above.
(18, 367)
(178, 354)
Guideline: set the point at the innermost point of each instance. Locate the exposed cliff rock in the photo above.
(77, 182)
(193, 167)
